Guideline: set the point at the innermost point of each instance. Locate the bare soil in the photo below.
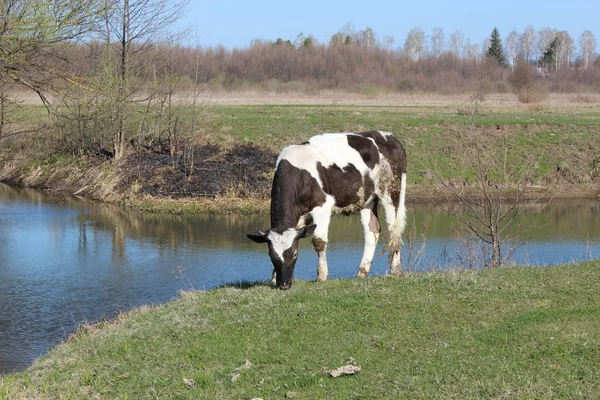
(244, 171)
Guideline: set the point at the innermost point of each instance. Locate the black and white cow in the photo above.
(335, 172)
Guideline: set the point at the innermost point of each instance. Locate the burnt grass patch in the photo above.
(244, 171)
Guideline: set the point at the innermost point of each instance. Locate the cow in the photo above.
(335, 172)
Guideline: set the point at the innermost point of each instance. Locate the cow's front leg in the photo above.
(321, 216)
(320, 246)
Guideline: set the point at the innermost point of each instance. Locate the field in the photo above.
(505, 333)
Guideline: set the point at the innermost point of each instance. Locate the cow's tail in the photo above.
(401, 213)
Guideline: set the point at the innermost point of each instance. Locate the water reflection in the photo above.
(64, 260)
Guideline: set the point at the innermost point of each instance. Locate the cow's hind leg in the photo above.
(395, 216)
(321, 216)
(372, 228)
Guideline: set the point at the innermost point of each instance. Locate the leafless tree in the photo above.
(485, 214)
(388, 42)
(512, 48)
(456, 43)
(349, 33)
(471, 51)
(366, 38)
(587, 44)
(415, 43)
(437, 41)
(136, 25)
(565, 50)
(527, 43)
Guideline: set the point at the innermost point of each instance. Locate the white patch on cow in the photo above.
(280, 242)
(385, 134)
(327, 149)
(321, 216)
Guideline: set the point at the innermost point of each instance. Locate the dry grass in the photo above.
(496, 101)
(585, 98)
(538, 107)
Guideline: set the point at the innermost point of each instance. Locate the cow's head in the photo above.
(283, 250)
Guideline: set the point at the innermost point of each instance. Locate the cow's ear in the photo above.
(260, 238)
(306, 231)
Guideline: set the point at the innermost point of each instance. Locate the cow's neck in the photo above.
(286, 209)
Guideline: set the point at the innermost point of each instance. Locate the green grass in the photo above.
(558, 146)
(437, 139)
(518, 332)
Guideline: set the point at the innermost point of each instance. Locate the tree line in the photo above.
(358, 61)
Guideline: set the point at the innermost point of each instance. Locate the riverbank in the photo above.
(227, 166)
(509, 332)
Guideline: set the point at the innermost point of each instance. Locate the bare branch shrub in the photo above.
(485, 211)
(415, 246)
(472, 106)
(524, 85)
(586, 98)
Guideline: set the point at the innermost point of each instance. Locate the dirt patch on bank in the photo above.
(244, 171)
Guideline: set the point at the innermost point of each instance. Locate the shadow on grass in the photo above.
(247, 285)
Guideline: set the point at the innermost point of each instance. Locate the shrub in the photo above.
(537, 107)
(522, 82)
(500, 87)
(405, 85)
(585, 98)
(534, 93)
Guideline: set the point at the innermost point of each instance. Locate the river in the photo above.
(64, 260)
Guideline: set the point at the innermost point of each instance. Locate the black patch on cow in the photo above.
(366, 148)
(369, 186)
(294, 193)
(394, 152)
(342, 183)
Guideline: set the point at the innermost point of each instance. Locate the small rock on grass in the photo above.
(189, 382)
(345, 370)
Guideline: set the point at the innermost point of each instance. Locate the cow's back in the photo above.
(348, 166)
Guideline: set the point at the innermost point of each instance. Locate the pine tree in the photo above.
(495, 51)
(549, 56)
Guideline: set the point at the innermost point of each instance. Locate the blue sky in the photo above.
(234, 23)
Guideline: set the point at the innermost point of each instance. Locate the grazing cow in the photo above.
(335, 172)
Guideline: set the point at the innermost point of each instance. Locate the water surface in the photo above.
(64, 261)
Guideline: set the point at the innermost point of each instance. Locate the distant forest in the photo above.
(358, 61)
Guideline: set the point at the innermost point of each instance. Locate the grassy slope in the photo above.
(435, 137)
(560, 144)
(505, 333)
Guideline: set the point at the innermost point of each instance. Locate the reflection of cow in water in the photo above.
(337, 172)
